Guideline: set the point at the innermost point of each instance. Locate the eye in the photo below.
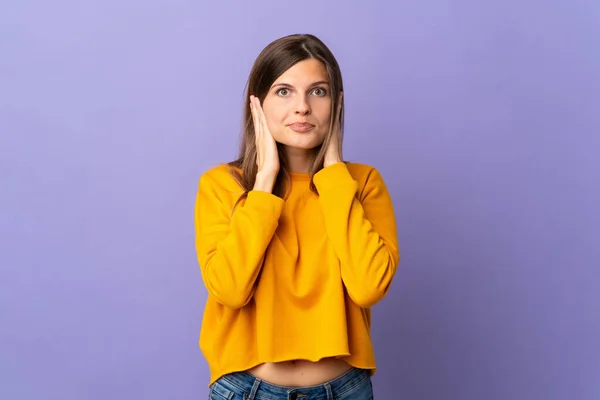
(319, 92)
(282, 92)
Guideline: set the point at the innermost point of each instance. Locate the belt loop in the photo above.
(254, 389)
(329, 391)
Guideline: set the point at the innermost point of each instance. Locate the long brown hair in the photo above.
(271, 63)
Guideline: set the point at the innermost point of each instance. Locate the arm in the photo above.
(231, 248)
(362, 232)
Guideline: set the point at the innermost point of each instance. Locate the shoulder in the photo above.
(363, 173)
(369, 180)
(221, 176)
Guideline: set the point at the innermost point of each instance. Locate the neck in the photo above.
(299, 160)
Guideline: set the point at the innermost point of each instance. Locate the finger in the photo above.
(259, 126)
(260, 132)
(255, 117)
(256, 125)
(253, 111)
(263, 119)
(339, 106)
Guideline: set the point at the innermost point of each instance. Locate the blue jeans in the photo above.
(354, 384)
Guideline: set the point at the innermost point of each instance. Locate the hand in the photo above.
(267, 157)
(333, 154)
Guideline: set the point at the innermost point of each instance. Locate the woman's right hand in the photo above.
(267, 157)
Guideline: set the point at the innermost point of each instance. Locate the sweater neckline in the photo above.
(297, 176)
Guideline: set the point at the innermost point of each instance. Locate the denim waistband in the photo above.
(258, 388)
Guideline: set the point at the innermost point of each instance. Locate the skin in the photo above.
(299, 94)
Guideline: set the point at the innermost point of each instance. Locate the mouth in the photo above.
(301, 126)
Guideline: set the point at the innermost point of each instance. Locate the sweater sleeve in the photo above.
(362, 232)
(231, 248)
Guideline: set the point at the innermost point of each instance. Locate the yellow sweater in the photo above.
(293, 279)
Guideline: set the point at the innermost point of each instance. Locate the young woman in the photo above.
(294, 244)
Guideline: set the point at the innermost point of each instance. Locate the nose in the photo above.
(302, 107)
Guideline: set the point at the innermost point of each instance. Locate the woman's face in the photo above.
(297, 106)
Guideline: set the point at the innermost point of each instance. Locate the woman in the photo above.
(294, 244)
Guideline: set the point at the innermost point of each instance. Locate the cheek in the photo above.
(274, 124)
(273, 115)
(322, 112)
(324, 122)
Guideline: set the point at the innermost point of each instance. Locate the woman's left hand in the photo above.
(333, 154)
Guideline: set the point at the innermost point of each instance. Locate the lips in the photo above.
(301, 126)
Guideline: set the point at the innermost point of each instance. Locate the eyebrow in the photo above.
(290, 86)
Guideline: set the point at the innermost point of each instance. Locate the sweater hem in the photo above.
(244, 368)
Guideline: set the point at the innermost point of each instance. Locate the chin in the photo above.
(303, 143)
(301, 146)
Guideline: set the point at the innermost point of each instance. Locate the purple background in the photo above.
(483, 117)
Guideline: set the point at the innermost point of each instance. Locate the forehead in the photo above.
(304, 72)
